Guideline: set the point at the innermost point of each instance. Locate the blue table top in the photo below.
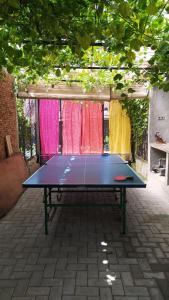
(84, 171)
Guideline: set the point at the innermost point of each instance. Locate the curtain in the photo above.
(119, 129)
(92, 128)
(49, 126)
(71, 130)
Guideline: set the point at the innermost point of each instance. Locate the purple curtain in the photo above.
(71, 134)
(49, 126)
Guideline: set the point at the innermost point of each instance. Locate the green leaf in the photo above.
(130, 90)
(84, 41)
(152, 9)
(119, 86)
(14, 3)
(135, 44)
(117, 77)
(125, 9)
(123, 95)
(58, 72)
(130, 55)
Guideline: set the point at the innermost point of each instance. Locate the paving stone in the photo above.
(128, 261)
(61, 264)
(164, 287)
(136, 271)
(24, 298)
(32, 268)
(33, 257)
(68, 263)
(20, 275)
(49, 271)
(87, 291)
(75, 298)
(65, 274)
(41, 298)
(105, 293)
(51, 282)
(125, 298)
(87, 260)
(77, 267)
(97, 282)
(156, 275)
(8, 283)
(36, 278)
(119, 268)
(127, 278)
(5, 272)
(117, 287)
(38, 291)
(55, 293)
(69, 286)
(21, 287)
(145, 282)
(136, 291)
(155, 294)
(160, 267)
(81, 278)
(6, 294)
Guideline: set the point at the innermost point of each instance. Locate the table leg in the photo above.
(50, 196)
(123, 202)
(46, 210)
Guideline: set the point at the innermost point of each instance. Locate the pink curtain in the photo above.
(92, 128)
(71, 130)
(49, 126)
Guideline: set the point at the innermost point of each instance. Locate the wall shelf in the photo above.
(158, 151)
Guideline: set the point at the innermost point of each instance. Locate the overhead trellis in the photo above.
(75, 92)
(61, 33)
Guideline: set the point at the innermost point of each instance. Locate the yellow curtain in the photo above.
(119, 129)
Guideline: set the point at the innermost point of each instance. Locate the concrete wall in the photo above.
(159, 115)
(159, 122)
(8, 118)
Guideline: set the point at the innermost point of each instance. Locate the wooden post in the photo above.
(8, 145)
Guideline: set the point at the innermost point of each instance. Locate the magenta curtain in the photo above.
(49, 126)
(71, 130)
(92, 128)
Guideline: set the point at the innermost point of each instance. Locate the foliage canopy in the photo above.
(43, 39)
(38, 36)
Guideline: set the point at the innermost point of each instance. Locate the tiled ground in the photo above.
(84, 257)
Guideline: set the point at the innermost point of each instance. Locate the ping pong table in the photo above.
(64, 173)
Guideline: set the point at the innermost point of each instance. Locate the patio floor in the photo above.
(84, 257)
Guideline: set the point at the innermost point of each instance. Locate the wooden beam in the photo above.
(75, 92)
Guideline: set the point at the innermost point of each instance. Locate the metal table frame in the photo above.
(48, 204)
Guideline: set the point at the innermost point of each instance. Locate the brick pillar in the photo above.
(8, 115)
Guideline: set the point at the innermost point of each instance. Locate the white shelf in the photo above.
(162, 147)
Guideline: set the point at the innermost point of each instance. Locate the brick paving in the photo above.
(85, 257)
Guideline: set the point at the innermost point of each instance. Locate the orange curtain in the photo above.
(92, 128)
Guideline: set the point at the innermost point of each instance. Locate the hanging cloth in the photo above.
(92, 128)
(71, 128)
(119, 129)
(49, 126)
(115, 126)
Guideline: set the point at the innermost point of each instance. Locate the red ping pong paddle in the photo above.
(122, 178)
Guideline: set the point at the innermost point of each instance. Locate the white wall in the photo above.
(159, 108)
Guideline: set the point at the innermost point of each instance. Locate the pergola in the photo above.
(75, 92)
